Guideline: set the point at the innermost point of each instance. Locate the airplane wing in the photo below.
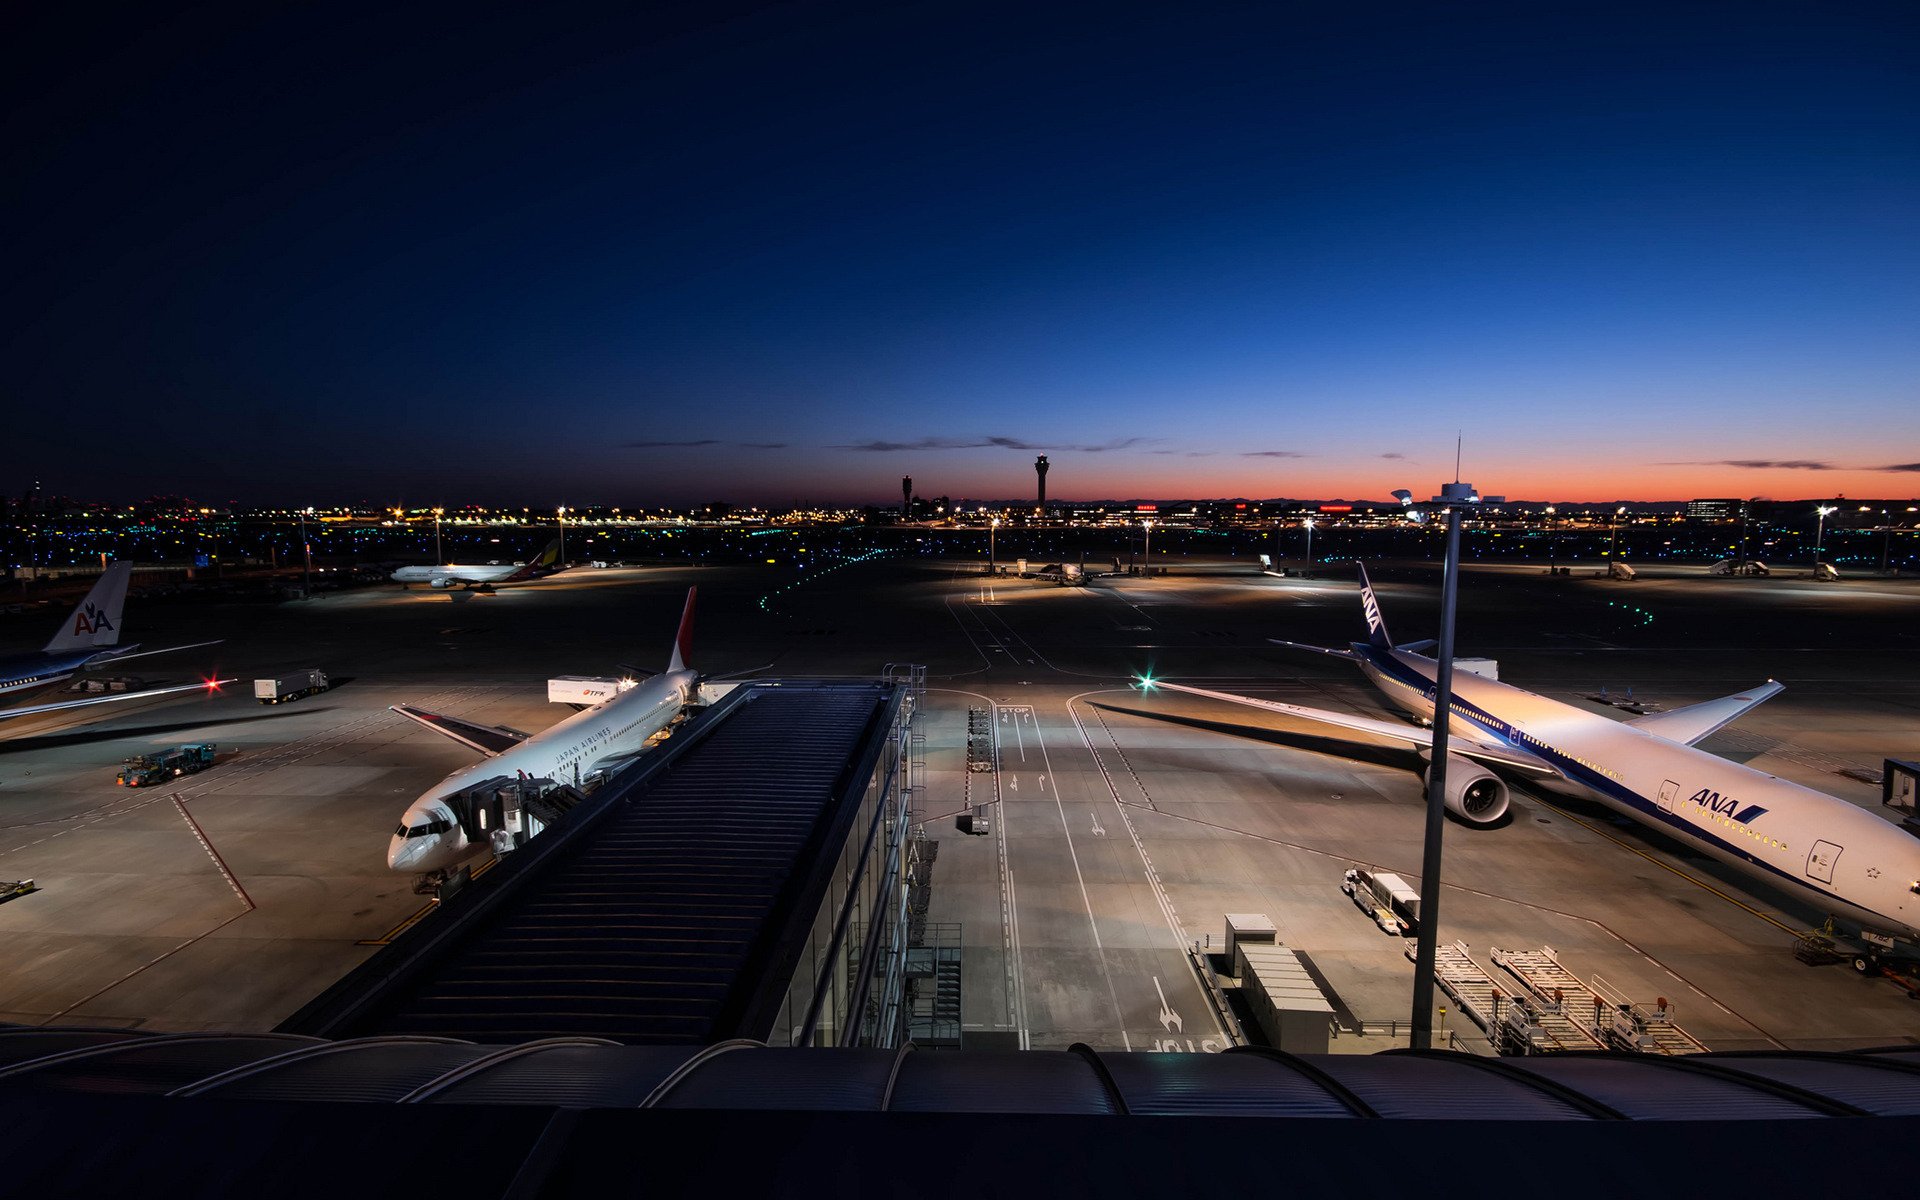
(487, 739)
(1498, 756)
(210, 686)
(1691, 725)
(120, 658)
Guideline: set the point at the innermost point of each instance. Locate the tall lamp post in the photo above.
(1820, 529)
(1146, 523)
(993, 527)
(1552, 559)
(306, 555)
(563, 535)
(1309, 524)
(1456, 495)
(1613, 544)
(438, 558)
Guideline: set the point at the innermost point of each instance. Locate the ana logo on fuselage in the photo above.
(91, 620)
(1726, 806)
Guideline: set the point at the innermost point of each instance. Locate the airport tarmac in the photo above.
(1118, 840)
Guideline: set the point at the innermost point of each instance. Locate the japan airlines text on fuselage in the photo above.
(1826, 851)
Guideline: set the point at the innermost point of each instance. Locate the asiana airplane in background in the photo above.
(1844, 860)
(446, 576)
(89, 638)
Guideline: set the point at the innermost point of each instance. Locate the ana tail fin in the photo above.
(683, 641)
(96, 622)
(1376, 624)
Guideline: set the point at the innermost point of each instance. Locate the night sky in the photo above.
(550, 254)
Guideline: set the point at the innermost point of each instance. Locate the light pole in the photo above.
(1613, 545)
(1552, 561)
(993, 527)
(1309, 524)
(563, 535)
(1820, 529)
(1426, 947)
(306, 556)
(1146, 523)
(438, 558)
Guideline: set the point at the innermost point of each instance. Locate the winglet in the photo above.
(683, 641)
(96, 622)
(1376, 624)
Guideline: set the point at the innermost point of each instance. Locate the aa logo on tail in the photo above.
(90, 620)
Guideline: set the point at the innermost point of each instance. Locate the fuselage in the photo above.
(430, 837)
(1819, 848)
(451, 573)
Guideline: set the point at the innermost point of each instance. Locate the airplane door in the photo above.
(1668, 790)
(1820, 861)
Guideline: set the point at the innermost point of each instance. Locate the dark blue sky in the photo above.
(550, 254)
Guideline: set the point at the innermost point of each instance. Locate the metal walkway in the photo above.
(1600, 1012)
(1515, 1024)
(670, 907)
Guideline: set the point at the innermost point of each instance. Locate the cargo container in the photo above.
(291, 686)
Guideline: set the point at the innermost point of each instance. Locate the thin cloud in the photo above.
(878, 446)
(1393, 454)
(703, 442)
(1271, 454)
(1185, 453)
(1900, 467)
(1763, 464)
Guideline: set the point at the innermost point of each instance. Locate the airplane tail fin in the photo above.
(544, 563)
(96, 622)
(1376, 624)
(683, 641)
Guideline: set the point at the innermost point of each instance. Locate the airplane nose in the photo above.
(398, 855)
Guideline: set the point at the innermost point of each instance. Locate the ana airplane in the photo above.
(88, 638)
(1817, 848)
(453, 575)
(432, 838)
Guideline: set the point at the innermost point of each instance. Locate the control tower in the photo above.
(906, 497)
(1040, 469)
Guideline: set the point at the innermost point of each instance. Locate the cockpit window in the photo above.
(431, 826)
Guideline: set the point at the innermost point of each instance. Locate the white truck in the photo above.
(1387, 898)
(291, 686)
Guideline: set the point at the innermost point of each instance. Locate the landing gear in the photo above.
(442, 884)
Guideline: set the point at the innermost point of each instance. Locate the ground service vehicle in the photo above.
(291, 686)
(145, 770)
(1393, 905)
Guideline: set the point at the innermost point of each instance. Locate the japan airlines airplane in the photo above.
(1817, 848)
(88, 638)
(431, 837)
(453, 575)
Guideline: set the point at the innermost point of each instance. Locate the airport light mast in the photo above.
(1146, 523)
(1820, 528)
(1309, 524)
(438, 558)
(563, 535)
(1455, 496)
(993, 527)
(306, 556)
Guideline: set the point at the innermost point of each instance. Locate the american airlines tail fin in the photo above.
(683, 641)
(1376, 624)
(97, 621)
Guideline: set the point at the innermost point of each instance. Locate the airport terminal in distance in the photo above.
(626, 836)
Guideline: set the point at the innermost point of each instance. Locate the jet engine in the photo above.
(444, 583)
(1475, 795)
